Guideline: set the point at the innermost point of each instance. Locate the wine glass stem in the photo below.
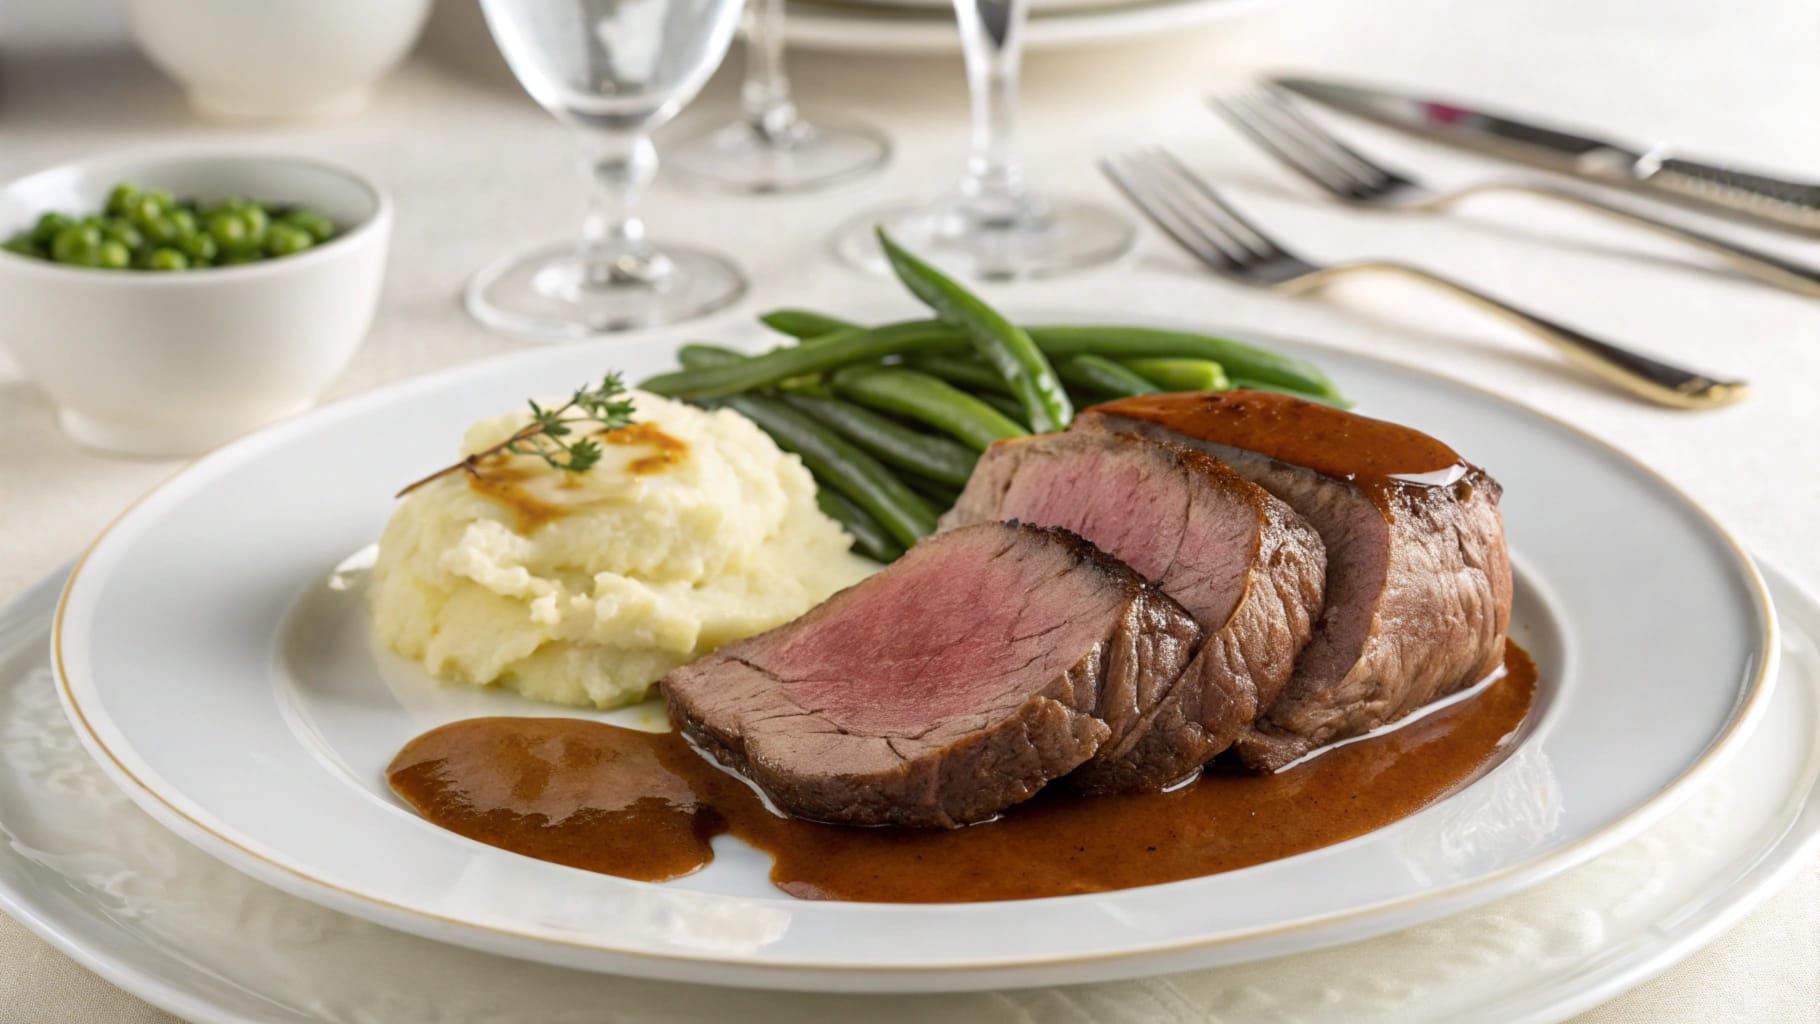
(765, 93)
(992, 39)
(614, 251)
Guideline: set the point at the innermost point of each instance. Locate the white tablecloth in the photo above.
(475, 169)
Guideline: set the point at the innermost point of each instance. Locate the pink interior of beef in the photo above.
(949, 630)
(1148, 514)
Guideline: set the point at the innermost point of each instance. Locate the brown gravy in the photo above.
(1329, 441)
(501, 480)
(666, 450)
(644, 806)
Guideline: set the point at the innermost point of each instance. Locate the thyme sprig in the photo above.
(604, 408)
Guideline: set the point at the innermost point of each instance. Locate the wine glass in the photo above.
(992, 226)
(613, 70)
(771, 148)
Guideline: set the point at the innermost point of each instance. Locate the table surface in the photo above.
(477, 169)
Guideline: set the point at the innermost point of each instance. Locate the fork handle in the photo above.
(1642, 375)
(1764, 266)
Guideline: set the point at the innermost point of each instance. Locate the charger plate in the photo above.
(212, 653)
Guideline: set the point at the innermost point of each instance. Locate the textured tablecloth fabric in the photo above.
(476, 169)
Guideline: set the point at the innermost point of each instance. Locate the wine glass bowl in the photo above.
(613, 70)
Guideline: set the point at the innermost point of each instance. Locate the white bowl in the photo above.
(174, 363)
(262, 60)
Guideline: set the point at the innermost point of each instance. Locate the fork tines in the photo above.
(1308, 149)
(1188, 210)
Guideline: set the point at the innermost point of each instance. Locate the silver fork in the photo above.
(1188, 209)
(1341, 171)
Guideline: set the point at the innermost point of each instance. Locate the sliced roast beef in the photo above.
(1241, 562)
(943, 689)
(1418, 577)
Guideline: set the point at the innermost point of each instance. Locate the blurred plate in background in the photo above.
(924, 26)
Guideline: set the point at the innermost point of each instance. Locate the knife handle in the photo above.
(1802, 278)
(1787, 203)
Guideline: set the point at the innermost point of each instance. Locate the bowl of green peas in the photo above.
(170, 302)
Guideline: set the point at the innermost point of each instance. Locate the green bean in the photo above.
(937, 458)
(1238, 358)
(941, 496)
(1006, 405)
(1182, 374)
(700, 355)
(801, 323)
(1255, 385)
(1058, 342)
(1103, 376)
(857, 345)
(998, 341)
(859, 477)
(960, 369)
(947, 352)
(869, 538)
(928, 400)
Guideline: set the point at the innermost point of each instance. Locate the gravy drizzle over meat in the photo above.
(645, 805)
(1369, 452)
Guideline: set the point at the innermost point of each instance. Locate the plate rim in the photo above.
(1441, 900)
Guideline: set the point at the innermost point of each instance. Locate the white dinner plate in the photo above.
(217, 664)
(85, 870)
(1067, 24)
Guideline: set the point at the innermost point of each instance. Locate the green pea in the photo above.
(257, 225)
(120, 200)
(199, 247)
(75, 244)
(229, 229)
(144, 209)
(45, 231)
(167, 259)
(113, 255)
(284, 240)
(320, 227)
(120, 230)
(151, 229)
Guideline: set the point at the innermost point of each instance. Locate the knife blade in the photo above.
(1762, 198)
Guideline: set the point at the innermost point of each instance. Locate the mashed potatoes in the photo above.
(584, 588)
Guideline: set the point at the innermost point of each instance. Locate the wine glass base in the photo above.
(544, 294)
(744, 159)
(1049, 237)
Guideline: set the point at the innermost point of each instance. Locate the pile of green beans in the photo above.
(891, 418)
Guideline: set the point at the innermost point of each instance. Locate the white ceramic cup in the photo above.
(174, 363)
(277, 59)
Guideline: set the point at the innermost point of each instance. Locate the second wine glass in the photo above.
(993, 226)
(613, 70)
(771, 148)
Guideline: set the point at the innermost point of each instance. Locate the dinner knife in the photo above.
(1762, 198)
